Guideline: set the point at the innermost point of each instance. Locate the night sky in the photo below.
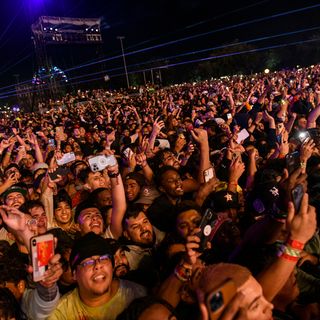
(144, 24)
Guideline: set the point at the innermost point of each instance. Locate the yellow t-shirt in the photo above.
(70, 306)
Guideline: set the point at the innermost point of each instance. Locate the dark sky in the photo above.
(144, 24)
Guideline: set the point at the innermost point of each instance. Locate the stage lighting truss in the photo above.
(59, 30)
(45, 75)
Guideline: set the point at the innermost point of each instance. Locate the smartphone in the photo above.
(229, 116)
(51, 142)
(208, 174)
(61, 171)
(127, 152)
(42, 249)
(292, 161)
(297, 195)
(164, 144)
(66, 158)
(206, 225)
(218, 299)
(303, 136)
(242, 135)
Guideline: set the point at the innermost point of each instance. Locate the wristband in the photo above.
(113, 175)
(295, 244)
(287, 251)
(303, 165)
(290, 258)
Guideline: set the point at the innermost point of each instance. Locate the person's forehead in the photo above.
(89, 210)
(95, 175)
(36, 210)
(188, 214)
(170, 174)
(14, 194)
(139, 219)
(130, 182)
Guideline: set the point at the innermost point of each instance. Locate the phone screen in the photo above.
(42, 249)
(208, 174)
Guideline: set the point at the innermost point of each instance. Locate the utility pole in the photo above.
(124, 60)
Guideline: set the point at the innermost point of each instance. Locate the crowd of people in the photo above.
(195, 201)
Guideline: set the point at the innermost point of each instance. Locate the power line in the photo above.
(187, 38)
(194, 52)
(189, 62)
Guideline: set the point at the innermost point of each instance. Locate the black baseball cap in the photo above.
(90, 245)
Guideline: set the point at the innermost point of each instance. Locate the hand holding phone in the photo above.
(42, 249)
(297, 195)
(206, 226)
(66, 158)
(208, 174)
(242, 135)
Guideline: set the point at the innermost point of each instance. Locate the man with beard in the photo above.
(141, 238)
(98, 295)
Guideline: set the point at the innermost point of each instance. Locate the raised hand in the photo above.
(236, 169)
(158, 125)
(302, 225)
(306, 150)
(199, 135)
(53, 273)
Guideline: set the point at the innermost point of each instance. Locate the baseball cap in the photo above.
(39, 165)
(90, 245)
(15, 188)
(148, 194)
(138, 177)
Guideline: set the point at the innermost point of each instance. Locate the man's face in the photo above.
(104, 198)
(256, 305)
(171, 184)
(63, 213)
(79, 167)
(94, 280)
(39, 214)
(132, 189)
(121, 263)
(82, 132)
(28, 161)
(169, 159)
(302, 123)
(187, 221)
(15, 199)
(139, 229)
(90, 219)
(76, 133)
(95, 181)
(13, 171)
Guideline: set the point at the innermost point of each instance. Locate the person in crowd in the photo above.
(243, 148)
(98, 295)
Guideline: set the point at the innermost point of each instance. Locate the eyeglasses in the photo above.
(92, 262)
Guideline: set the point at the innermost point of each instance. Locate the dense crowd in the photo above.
(195, 201)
